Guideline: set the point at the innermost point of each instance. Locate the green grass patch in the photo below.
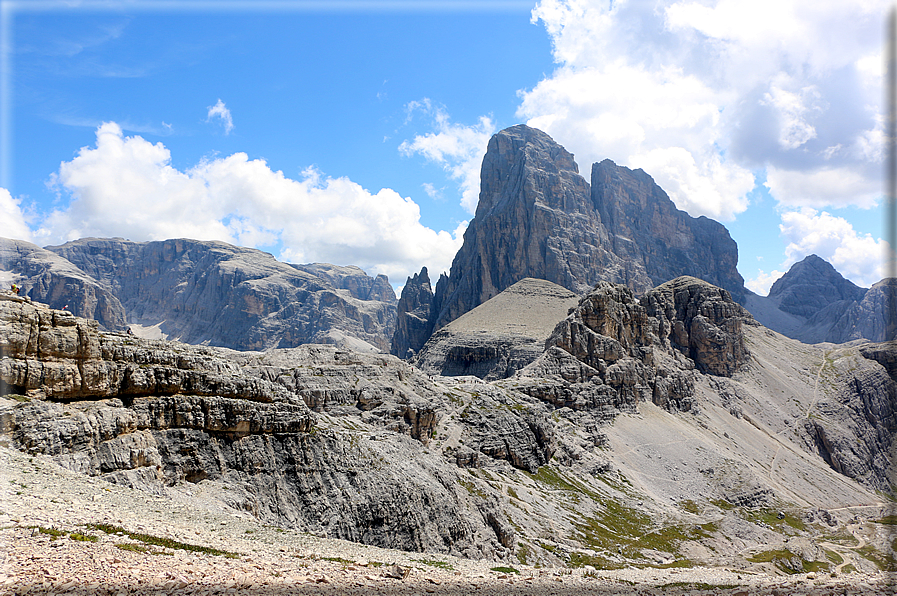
(83, 537)
(49, 531)
(18, 398)
(137, 548)
(885, 562)
(775, 518)
(435, 563)
(504, 570)
(163, 542)
(338, 560)
(690, 506)
(578, 559)
(723, 504)
(841, 539)
(849, 568)
(523, 553)
(833, 556)
(890, 520)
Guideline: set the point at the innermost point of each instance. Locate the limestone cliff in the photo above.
(51, 279)
(527, 469)
(208, 292)
(538, 217)
(414, 320)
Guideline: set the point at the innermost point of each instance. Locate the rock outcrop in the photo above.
(414, 320)
(51, 279)
(613, 351)
(500, 336)
(367, 448)
(208, 292)
(152, 414)
(645, 226)
(538, 217)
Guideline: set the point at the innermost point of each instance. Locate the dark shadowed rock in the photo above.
(645, 226)
(209, 292)
(51, 279)
(500, 336)
(810, 286)
(414, 316)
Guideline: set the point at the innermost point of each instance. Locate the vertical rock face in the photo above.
(538, 217)
(534, 219)
(703, 322)
(644, 225)
(353, 279)
(48, 278)
(414, 318)
(215, 293)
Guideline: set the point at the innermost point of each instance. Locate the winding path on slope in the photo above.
(772, 465)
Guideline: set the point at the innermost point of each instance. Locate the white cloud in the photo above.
(219, 110)
(760, 285)
(459, 149)
(857, 257)
(822, 186)
(126, 186)
(729, 86)
(13, 223)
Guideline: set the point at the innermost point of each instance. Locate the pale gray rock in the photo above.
(48, 278)
(151, 414)
(701, 321)
(500, 336)
(209, 292)
(359, 284)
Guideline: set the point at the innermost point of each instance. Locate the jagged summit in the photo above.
(538, 217)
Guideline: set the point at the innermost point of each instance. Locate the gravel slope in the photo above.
(36, 495)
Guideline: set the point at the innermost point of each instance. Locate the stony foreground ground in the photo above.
(64, 533)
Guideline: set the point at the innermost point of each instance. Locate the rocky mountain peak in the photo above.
(538, 217)
(811, 285)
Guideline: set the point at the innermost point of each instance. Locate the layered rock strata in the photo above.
(51, 279)
(613, 351)
(152, 414)
(207, 292)
(500, 336)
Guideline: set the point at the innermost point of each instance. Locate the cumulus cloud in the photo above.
(220, 111)
(701, 94)
(13, 223)
(459, 149)
(126, 186)
(760, 285)
(858, 257)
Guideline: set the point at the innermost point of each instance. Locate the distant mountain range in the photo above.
(537, 217)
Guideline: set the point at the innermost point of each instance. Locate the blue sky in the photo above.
(352, 132)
